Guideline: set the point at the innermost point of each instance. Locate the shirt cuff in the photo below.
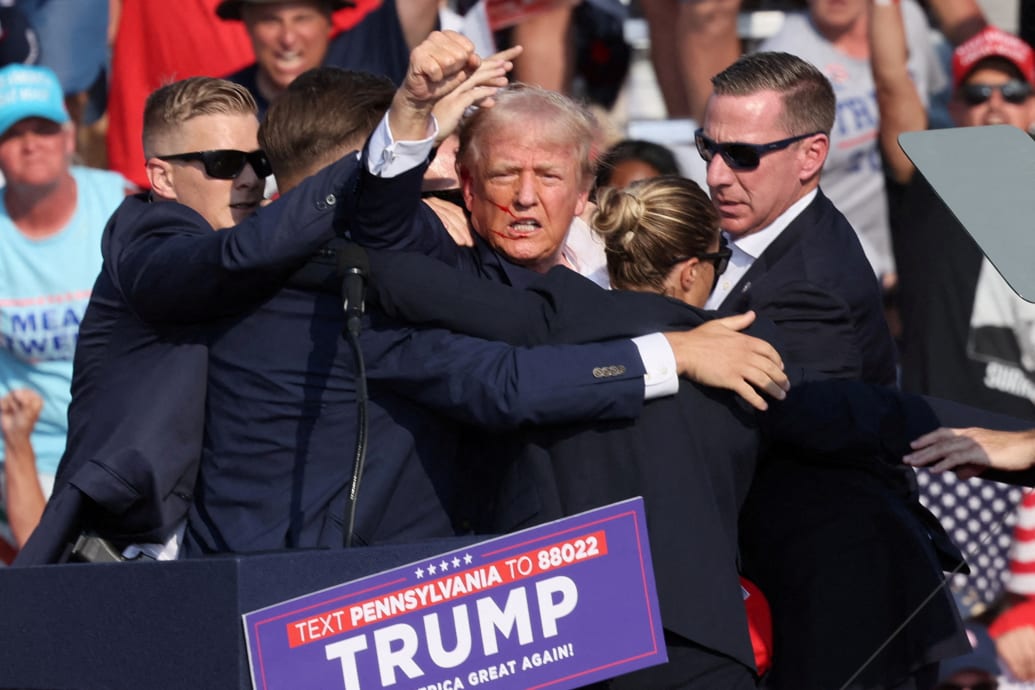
(659, 362)
(387, 157)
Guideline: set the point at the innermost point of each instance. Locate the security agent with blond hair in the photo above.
(139, 389)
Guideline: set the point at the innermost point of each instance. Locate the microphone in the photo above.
(353, 269)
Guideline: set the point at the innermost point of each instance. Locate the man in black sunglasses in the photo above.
(797, 261)
(139, 386)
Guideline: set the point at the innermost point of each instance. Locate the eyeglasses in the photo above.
(1014, 91)
(742, 156)
(225, 164)
(720, 259)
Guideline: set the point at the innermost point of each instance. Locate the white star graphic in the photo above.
(431, 568)
(456, 562)
(444, 565)
(468, 558)
(419, 572)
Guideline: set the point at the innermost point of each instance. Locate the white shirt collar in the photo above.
(747, 248)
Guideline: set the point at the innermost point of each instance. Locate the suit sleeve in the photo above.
(173, 268)
(840, 416)
(498, 386)
(801, 311)
(405, 222)
(559, 307)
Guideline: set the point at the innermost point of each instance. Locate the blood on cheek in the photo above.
(504, 209)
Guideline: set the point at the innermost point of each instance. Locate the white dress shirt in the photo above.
(747, 248)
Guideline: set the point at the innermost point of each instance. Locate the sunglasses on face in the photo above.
(720, 259)
(741, 156)
(225, 164)
(1014, 91)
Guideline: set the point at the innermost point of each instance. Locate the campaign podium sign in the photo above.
(560, 605)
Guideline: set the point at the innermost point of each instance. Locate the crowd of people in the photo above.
(556, 319)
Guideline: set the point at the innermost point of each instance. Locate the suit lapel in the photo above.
(738, 298)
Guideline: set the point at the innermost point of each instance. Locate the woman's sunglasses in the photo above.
(742, 156)
(225, 164)
(719, 259)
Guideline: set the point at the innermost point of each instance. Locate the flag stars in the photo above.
(456, 562)
(431, 568)
(468, 559)
(419, 572)
(444, 565)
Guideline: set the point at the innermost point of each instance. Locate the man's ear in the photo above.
(466, 184)
(160, 177)
(813, 155)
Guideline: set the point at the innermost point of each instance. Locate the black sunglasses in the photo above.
(1014, 91)
(742, 156)
(720, 259)
(225, 164)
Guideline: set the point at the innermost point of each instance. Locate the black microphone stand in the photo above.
(353, 268)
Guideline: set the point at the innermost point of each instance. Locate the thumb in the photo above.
(738, 322)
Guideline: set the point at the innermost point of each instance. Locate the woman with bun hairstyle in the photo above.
(661, 235)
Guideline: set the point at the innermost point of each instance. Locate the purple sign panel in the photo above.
(556, 606)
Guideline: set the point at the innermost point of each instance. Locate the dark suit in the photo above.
(560, 307)
(138, 390)
(282, 411)
(843, 552)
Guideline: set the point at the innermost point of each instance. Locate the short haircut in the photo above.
(809, 104)
(650, 223)
(323, 113)
(171, 105)
(659, 157)
(522, 103)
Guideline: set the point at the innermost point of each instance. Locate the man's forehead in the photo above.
(210, 131)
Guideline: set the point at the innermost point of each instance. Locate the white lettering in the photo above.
(551, 611)
(514, 614)
(388, 659)
(345, 651)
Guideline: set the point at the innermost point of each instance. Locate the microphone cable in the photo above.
(353, 268)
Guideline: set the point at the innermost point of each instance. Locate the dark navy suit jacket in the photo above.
(281, 422)
(841, 550)
(691, 457)
(138, 389)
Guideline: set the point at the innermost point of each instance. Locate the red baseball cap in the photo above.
(760, 624)
(993, 42)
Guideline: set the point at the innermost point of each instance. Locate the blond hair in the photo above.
(650, 225)
(171, 105)
(570, 122)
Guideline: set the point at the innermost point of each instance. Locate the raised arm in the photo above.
(23, 495)
(959, 20)
(899, 102)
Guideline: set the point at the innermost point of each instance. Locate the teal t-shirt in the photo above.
(44, 288)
